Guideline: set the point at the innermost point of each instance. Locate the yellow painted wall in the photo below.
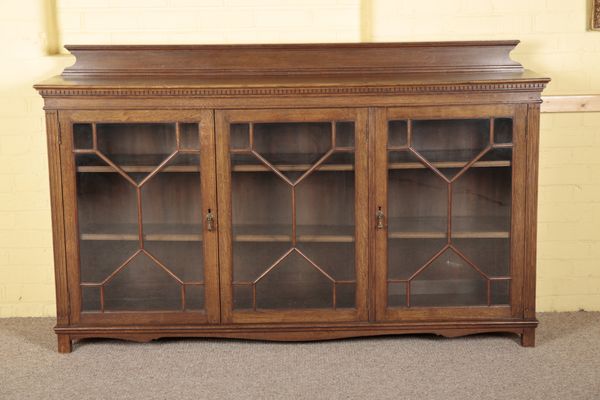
(554, 42)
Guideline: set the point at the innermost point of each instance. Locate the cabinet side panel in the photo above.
(533, 128)
(519, 184)
(69, 193)
(58, 228)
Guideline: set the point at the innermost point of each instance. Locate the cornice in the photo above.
(288, 91)
(296, 59)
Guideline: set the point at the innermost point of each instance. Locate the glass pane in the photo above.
(261, 204)
(136, 148)
(292, 148)
(503, 130)
(82, 136)
(406, 256)
(397, 294)
(189, 136)
(142, 285)
(332, 255)
(172, 217)
(90, 298)
(500, 292)
(345, 294)
(417, 198)
(481, 198)
(108, 234)
(240, 136)
(325, 216)
(194, 297)
(491, 255)
(417, 218)
(140, 218)
(344, 135)
(397, 134)
(99, 188)
(101, 257)
(294, 283)
(423, 194)
(448, 281)
(254, 256)
(446, 143)
(242, 297)
(293, 215)
(481, 214)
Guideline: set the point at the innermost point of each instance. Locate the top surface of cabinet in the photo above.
(217, 70)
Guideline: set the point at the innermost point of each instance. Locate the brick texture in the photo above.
(554, 42)
(209, 21)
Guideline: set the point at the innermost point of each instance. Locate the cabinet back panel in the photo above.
(127, 140)
(105, 198)
(142, 285)
(479, 192)
(323, 198)
(443, 140)
(416, 193)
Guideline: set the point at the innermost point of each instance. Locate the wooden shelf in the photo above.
(291, 167)
(456, 159)
(138, 163)
(138, 168)
(455, 235)
(440, 300)
(286, 167)
(450, 164)
(152, 232)
(413, 229)
(435, 228)
(304, 233)
(247, 233)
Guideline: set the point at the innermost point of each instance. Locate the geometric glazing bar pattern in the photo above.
(93, 149)
(292, 182)
(492, 143)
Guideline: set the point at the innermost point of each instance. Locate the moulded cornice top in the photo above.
(450, 43)
(292, 69)
(284, 59)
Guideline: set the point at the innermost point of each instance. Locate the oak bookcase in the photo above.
(293, 192)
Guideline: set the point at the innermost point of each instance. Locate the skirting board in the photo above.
(290, 332)
(565, 104)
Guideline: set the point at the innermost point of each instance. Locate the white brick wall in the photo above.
(569, 212)
(208, 21)
(26, 273)
(554, 41)
(26, 280)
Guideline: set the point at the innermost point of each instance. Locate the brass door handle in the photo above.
(210, 221)
(380, 217)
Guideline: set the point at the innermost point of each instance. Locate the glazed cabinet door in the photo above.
(292, 189)
(140, 210)
(449, 212)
